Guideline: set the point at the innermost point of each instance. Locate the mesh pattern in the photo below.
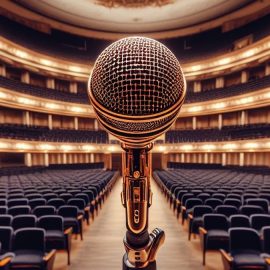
(137, 76)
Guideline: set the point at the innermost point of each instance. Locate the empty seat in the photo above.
(263, 203)
(56, 202)
(24, 221)
(244, 250)
(6, 236)
(239, 221)
(17, 202)
(258, 221)
(37, 202)
(249, 210)
(227, 210)
(19, 210)
(232, 201)
(44, 210)
(213, 202)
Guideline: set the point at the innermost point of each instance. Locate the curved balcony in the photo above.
(217, 57)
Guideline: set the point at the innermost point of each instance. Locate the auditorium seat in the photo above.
(258, 221)
(55, 235)
(24, 221)
(214, 233)
(6, 237)
(239, 221)
(44, 210)
(19, 210)
(244, 250)
(29, 249)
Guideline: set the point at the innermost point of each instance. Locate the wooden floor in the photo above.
(102, 247)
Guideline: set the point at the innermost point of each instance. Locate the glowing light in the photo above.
(224, 61)
(88, 147)
(51, 105)
(46, 62)
(4, 145)
(195, 109)
(75, 69)
(21, 54)
(229, 146)
(196, 68)
(162, 148)
(22, 146)
(208, 147)
(249, 53)
(66, 147)
(245, 100)
(186, 147)
(111, 148)
(26, 101)
(46, 147)
(3, 95)
(219, 105)
(77, 109)
(251, 145)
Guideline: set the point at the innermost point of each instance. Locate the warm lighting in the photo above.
(66, 147)
(219, 105)
(3, 95)
(229, 146)
(245, 100)
(77, 109)
(186, 147)
(46, 147)
(195, 109)
(4, 145)
(249, 53)
(224, 61)
(22, 146)
(112, 148)
(51, 106)
(21, 54)
(75, 69)
(88, 148)
(208, 147)
(161, 148)
(46, 62)
(196, 68)
(251, 145)
(26, 101)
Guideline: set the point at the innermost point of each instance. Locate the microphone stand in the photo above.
(141, 247)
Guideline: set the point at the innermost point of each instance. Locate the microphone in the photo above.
(137, 88)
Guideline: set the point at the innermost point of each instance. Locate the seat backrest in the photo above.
(258, 221)
(6, 235)
(68, 211)
(215, 222)
(19, 210)
(3, 202)
(201, 210)
(36, 202)
(82, 196)
(57, 202)
(24, 221)
(186, 196)
(259, 202)
(17, 202)
(51, 222)
(266, 239)
(44, 210)
(239, 221)
(65, 196)
(29, 239)
(190, 203)
(213, 202)
(3, 210)
(227, 210)
(249, 210)
(234, 202)
(244, 239)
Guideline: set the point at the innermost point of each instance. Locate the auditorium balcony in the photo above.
(39, 133)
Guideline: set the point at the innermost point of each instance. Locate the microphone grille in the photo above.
(137, 76)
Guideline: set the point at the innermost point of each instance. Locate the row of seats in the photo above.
(227, 133)
(82, 98)
(36, 133)
(56, 201)
(85, 50)
(216, 201)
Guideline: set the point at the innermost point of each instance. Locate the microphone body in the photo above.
(137, 88)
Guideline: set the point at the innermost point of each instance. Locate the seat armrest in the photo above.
(50, 255)
(6, 258)
(202, 230)
(87, 208)
(227, 259)
(184, 208)
(190, 216)
(267, 260)
(178, 202)
(80, 217)
(68, 230)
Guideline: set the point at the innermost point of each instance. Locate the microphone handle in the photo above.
(141, 247)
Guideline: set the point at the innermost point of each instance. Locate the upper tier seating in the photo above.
(82, 98)
(36, 133)
(227, 133)
(85, 50)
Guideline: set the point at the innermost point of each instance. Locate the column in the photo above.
(197, 86)
(220, 82)
(244, 76)
(26, 118)
(194, 122)
(50, 121)
(241, 159)
(64, 158)
(28, 159)
(182, 158)
(25, 77)
(92, 158)
(267, 69)
(164, 161)
(3, 71)
(76, 123)
(46, 160)
(73, 87)
(224, 159)
(95, 124)
(206, 158)
(243, 118)
(50, 83)
(220, 121)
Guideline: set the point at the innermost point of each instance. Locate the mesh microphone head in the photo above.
(137, 88)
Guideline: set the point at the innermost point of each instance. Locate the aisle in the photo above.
(102, 247)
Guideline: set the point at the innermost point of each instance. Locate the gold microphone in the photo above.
(137, 88)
